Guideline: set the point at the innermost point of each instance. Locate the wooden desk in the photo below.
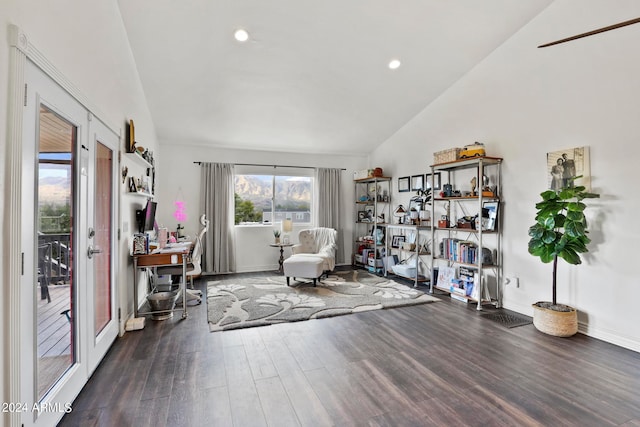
(176, 256)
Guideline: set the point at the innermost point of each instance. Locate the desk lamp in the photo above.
(400, 213)
(287, 227)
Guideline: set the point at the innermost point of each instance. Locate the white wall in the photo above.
(523, 102)
(253, 252)
(86, 41)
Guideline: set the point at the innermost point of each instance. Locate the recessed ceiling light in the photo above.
(394, 64)
(241, 35)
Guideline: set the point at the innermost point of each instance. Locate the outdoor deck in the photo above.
(54, 336)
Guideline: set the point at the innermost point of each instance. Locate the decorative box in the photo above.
(405, 270)
(445, 156)
(374, 262)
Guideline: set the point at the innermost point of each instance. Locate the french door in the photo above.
(69, 204)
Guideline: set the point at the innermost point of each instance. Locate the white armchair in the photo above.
(314, 255)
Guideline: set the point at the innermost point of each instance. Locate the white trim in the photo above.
(13, 225)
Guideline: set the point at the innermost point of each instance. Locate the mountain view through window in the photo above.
(266, 199)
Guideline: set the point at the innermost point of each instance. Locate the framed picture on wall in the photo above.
(436, 181)
(417, 182)
(404, 184)
(564, 165)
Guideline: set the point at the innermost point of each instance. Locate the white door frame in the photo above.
(21, 50)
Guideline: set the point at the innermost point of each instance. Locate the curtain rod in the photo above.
(275, 166)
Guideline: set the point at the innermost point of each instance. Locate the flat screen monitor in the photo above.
(146, 217)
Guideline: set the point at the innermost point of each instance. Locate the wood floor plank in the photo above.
(275, 403)
(428, 365)
(245, 401)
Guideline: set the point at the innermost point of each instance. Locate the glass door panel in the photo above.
(103, 232)
(54, 275)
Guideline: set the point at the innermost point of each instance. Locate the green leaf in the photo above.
(574, 229)
(575, 215)
(549, 195)
(548, 236)
(576, 206)
(570, 256)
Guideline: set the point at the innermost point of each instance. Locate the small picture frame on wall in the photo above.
(417, 182)
(131, 138)
(404, 184)
(436, 181)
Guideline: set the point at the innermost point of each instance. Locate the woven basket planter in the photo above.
(556, 323)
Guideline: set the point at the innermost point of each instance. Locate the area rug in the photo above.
(243, 302)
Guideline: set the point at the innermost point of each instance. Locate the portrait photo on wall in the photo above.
(564, 165)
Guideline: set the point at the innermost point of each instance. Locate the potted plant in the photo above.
(560, 231)
(276, 234)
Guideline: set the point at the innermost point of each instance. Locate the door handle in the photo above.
(91, 250)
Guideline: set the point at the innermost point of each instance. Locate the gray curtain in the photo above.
(218, 204)
(329, 204)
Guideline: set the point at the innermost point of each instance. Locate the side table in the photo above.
(281, 246)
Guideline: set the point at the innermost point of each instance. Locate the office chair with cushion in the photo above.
(193, 267)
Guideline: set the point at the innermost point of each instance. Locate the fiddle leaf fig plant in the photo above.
(560, 230)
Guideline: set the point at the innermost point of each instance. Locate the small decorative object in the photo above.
(379, 235)
(491, 214)
(276, 234)
(443, 222)
(140, 243)
(472, 150)
(399, 213)
(377, 172)
(448, 190)
(560, 231)
(180, 213)
(132, 185)
(397, 241)
(125, 172)
(179, 229)
(474, 183)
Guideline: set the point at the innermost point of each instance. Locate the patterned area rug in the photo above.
(244, 302)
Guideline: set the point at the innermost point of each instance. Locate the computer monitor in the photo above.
(146, 217)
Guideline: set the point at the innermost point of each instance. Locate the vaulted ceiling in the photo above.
(313, 76)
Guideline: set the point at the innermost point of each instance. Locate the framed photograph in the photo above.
(564, 165)
(396, 241)
(131, 138)
(436, 181)
(361, 216)
(404, 184)
(417, 182)
(490, 215)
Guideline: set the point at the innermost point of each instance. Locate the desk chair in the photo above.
(193, 268)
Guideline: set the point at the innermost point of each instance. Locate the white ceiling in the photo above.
(313, 77)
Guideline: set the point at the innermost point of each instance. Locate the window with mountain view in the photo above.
(267, 199)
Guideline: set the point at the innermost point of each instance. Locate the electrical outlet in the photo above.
(512, 280)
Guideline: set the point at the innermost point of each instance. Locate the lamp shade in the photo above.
(287, 226)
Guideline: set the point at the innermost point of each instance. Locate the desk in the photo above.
(162, 258)
(281, 246)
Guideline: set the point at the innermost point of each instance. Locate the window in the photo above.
(269, 198)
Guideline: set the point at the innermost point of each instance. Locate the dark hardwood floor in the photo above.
(437, 364)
